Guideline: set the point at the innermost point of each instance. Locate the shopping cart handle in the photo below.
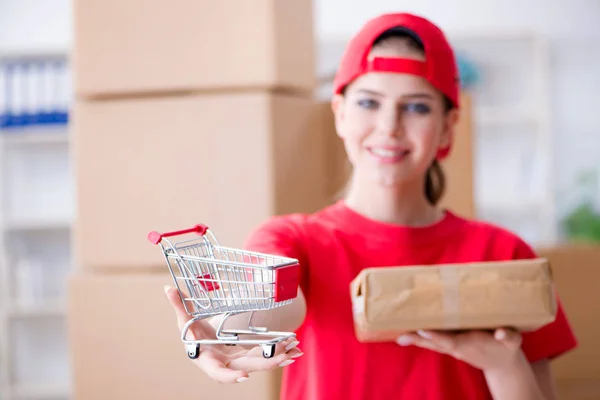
(155, 237)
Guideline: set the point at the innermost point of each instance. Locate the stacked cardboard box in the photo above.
(576, 271)
(186, 112)
(459, 165)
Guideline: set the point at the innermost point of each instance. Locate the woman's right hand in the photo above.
(229, 364)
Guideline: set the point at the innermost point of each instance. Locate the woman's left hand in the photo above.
(484, 350)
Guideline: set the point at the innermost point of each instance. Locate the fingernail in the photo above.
(297, 355)
(242, 379)
(286, 363)
(424, 334)
(500, 334)
(166, 289)
(404, 340)
(292, 345)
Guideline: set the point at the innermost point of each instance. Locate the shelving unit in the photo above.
(515, 140)
(36, 213)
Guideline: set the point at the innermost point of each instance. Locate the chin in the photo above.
(394, 179)
(389, 181)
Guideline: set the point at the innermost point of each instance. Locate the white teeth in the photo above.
(386, 152)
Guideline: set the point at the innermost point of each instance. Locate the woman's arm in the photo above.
(543, 375)
(506, 368)
(522, 381)
(550, 341)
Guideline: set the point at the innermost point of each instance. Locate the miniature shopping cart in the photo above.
(216, 280)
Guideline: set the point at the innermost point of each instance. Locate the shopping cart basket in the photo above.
(216, 280)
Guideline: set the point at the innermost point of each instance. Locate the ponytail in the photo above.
(435, 183)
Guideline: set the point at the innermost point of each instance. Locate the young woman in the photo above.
(396, 103)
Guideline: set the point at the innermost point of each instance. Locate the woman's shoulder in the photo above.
(496, 237)
(298, 220)
(292, 226)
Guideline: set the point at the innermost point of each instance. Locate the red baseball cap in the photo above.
(439, 67)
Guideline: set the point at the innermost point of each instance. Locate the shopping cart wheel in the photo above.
(268, 350)
(193, 351)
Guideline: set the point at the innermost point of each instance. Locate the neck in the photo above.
(402, 205)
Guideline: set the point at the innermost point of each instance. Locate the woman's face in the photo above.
(392, 124)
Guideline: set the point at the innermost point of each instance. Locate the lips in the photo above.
(387, 154)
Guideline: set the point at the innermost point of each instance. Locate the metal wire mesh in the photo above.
(221, 279)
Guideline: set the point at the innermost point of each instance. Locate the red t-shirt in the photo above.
(336, 243)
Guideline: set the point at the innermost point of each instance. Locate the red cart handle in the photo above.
(155, 237)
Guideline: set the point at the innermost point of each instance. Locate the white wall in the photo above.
(35, 25)
(572, 18)
(47, 23)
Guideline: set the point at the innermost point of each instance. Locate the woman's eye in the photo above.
(367, 103)
(419, 108)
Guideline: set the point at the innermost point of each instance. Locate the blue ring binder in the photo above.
(33, 90)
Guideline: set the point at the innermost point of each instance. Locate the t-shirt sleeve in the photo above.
(282, 236)
(553, 339)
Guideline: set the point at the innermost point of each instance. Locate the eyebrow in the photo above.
(409, 96)
(367, 91)
(419, 96)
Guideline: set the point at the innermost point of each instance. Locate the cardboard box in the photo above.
(227, 160)
(391, 300)
(338, 169)
(136, 46)
(576, 272)
(458, 167)
(578, 389)
(125, 345)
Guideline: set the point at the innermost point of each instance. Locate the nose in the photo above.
(389, 122)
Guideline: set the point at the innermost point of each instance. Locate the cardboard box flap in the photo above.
(454, 296)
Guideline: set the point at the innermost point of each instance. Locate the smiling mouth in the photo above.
(388, 155)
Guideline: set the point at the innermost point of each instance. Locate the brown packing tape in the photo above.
(451, 298)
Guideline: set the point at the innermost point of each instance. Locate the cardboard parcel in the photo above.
(388, 301)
